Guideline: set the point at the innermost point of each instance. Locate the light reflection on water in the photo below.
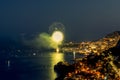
(31, 68)
(38, 67)
(55, 58)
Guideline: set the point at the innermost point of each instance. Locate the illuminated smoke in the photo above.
(45, 40)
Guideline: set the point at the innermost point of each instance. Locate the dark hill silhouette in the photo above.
(113, 34)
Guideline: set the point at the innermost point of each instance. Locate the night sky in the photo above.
(83, 19)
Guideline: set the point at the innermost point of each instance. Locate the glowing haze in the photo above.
(49, 40)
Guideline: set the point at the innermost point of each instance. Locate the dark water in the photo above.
(39, 67)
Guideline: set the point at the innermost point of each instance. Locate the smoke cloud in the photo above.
(43, 40)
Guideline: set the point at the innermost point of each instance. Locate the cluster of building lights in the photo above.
(101, 69)
(93, 46)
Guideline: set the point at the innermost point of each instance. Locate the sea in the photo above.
(39, 66)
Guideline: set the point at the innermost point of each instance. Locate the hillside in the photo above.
(97, 46)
